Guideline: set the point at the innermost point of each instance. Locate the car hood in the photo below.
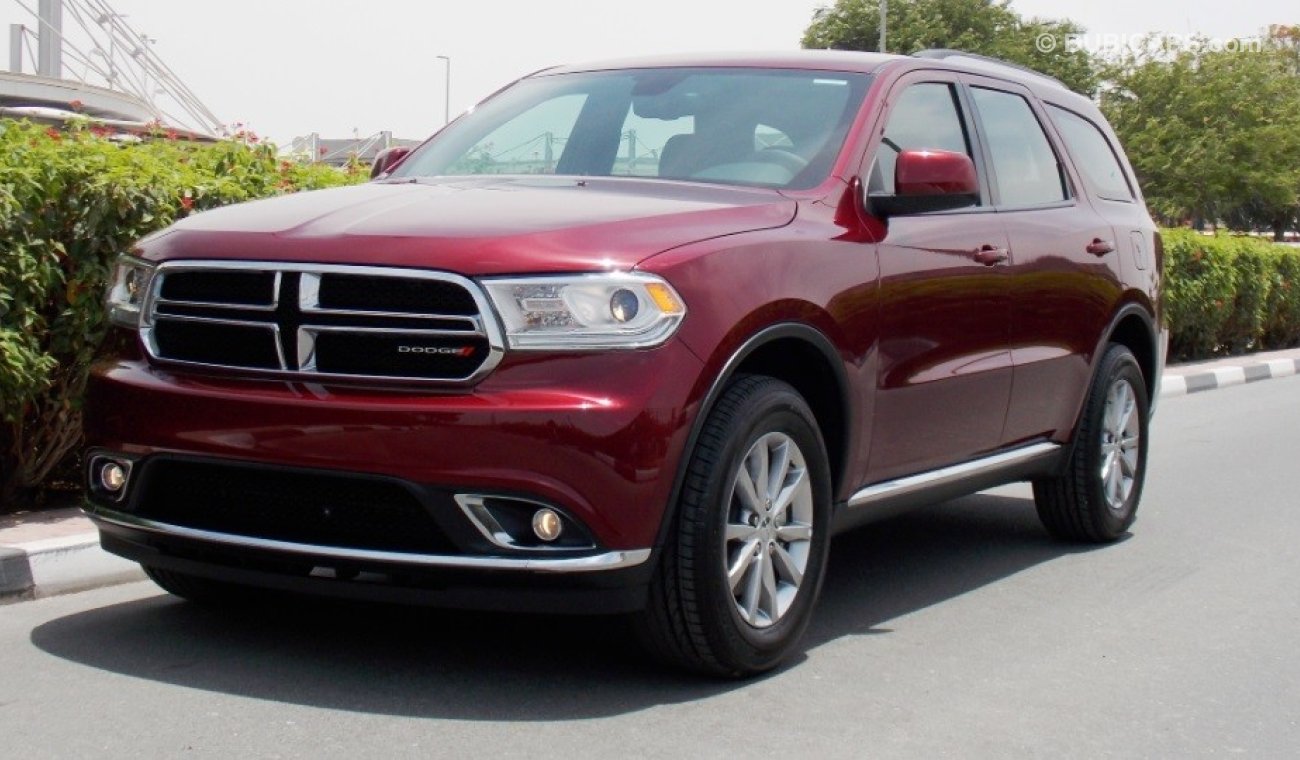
(476, 226)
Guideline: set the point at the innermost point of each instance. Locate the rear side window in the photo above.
(1093, 154)
(1027, 170)
(925, 117)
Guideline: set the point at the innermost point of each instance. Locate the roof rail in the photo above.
(989, 63)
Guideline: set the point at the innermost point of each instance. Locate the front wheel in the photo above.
(739, 576)
(1096, 499)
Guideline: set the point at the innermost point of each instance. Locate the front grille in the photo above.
(297, 506)
(321, 321)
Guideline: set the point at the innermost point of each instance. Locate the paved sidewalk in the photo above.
(57, 552)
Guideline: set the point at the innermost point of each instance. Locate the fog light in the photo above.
(547, 524)
(112, 477)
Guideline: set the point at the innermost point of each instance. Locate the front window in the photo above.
(759, 127)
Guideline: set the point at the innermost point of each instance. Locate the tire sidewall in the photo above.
(1118, 364)
(777, 409)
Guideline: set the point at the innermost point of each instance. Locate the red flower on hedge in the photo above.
(173, 134)
(187, 202)
(53, 133)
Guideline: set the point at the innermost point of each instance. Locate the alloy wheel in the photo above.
(769, 526)
(1120, 439)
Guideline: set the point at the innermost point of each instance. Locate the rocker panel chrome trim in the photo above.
(945, 475)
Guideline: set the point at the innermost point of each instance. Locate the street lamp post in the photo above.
(884, 8)
(446, 109)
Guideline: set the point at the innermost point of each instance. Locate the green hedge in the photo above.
(1229, 295)
(70, 201)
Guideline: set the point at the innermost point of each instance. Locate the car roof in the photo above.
(833, 60)
(1043, 85)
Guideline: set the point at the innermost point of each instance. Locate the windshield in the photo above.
(755, 127)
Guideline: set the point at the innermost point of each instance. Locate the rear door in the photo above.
(945, 369)
(1112, 191)
(1064, 276)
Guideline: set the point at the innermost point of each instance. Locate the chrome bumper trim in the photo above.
(611, 560)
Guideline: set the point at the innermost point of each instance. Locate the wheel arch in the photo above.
(1133, 327)
(804, 357)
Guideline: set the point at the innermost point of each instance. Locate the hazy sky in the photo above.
(290, 67)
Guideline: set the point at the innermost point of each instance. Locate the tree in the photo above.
(987, 27)
(1213, 131)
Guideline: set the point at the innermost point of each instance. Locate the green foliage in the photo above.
(70, 201)
(1282, 314)
(987, 27)
(1229, 294)
(1214, 134)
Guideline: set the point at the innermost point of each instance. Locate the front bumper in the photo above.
(609, 583)
(599, 436)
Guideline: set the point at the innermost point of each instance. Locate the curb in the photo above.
(1213, 378)
(63, 564)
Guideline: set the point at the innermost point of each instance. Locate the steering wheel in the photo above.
(791, 162)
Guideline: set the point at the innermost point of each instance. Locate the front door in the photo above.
(945, 365)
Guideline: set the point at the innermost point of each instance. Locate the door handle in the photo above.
(989, 255)
(1099, 247)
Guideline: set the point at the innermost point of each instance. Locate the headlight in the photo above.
(127, 290)
(613, 310)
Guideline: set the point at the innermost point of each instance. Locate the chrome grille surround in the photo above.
(302, 364)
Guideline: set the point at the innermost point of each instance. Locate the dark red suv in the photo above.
(639, 338)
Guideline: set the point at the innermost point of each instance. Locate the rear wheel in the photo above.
(1096, 499)
(739, 576)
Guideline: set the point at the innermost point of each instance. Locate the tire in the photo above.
(735, 585)
(1096, 499)
(196, 589)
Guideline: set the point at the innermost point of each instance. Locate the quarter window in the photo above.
(1027, 170)
(1093, 155)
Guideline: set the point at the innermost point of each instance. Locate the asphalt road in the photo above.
(958, 631)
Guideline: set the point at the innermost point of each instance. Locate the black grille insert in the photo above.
(217, 343)
(240, 288)
(398, 355)
(297, 506)
(354, 292)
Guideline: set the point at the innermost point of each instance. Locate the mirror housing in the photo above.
(388, 158)
(929, 180)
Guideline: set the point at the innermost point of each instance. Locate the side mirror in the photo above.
(929, 180)
(388, 158)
